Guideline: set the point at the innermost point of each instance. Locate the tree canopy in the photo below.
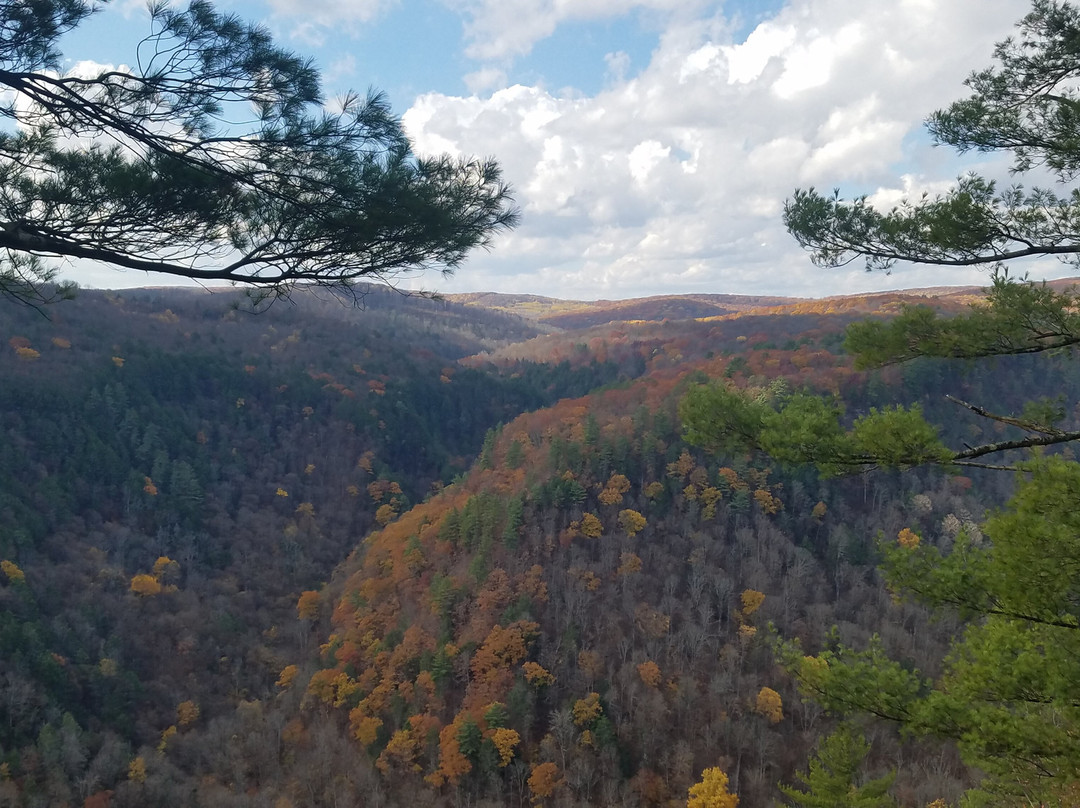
(1026, 104)
(833, 776)
(1008, 690)
(216, 157)
(1007, 693)
(797, 427)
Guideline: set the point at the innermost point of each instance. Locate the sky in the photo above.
(651, 144)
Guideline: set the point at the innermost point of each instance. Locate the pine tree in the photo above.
(180, 178)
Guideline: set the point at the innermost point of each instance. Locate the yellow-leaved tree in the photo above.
(631, 522)
(187, 712)
(12, 572)
(591, 526)
(649, 672)
(307, 606)
(537, 675)
(145, 585)
(770, 705)
(505, 740)
(712, 791)
(587, 710)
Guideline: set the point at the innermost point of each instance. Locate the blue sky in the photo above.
(651, 143)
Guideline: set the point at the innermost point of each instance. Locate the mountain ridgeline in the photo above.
(446, 552)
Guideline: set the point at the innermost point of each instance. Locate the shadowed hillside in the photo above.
(417, 554)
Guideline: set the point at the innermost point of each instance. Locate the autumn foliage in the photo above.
(908, 539)
(505, 741)
(769, 704)
(535, 674)
(187, 712)
(145, 585)
(631, 522)
(591, 526)
(12, 572)
(307, 607)
(587, 710)
(712, 791)
(544, 780)
(751, 601)
(577, 617)
(649, 672)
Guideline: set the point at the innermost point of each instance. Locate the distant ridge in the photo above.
(554, 314)
(548, 314)
(574, 314)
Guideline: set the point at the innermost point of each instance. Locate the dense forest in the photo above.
(432, 552)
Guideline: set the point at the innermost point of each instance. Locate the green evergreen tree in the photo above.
(1008, 692)
(832, 779)
(487, 451)
(515, 455)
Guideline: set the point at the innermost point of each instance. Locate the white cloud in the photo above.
(856, 140)
(911, 189)
(646, 156)
(327, 12)
(618, 65)
(130, 8)
(674, 179)
(747, 60)
(811, 64)
(341, 70)
(318, 17)
(499, 30)
(488, 78)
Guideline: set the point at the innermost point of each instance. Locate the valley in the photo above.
(452, 551)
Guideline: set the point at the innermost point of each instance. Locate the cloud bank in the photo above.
(652, 143)
(674, 179)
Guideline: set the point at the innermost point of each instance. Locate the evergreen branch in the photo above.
(1028, 426)
(1024, 443)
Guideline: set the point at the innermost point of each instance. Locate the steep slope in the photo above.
(569, 609)
(583, 617)
(174, 472)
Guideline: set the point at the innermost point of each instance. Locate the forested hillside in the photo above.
(419, 554)
(175, 471)
(583, 620)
